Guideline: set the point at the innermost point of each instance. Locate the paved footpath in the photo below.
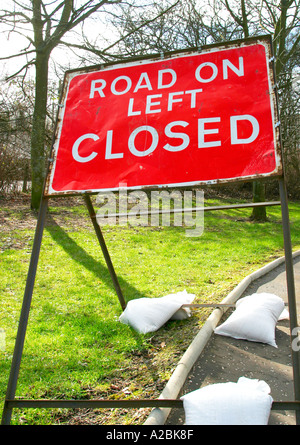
(225, 359)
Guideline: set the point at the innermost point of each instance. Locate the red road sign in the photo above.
(187, 119)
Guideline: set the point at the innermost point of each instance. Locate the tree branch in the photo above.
(18, 55)
(24, 67)
(233, 15)
(147, 22)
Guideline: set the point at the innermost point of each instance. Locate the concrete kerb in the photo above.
(158, 416)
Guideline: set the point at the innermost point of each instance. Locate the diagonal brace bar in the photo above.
(20, 339)
(103, 246)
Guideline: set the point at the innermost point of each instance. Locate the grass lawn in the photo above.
(75, 346)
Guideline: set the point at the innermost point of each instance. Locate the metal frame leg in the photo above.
(289, 266)
(105, 251)
(19, 345)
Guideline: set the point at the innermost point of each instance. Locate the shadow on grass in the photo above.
(78, 254)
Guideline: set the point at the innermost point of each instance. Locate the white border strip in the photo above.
(158, 416)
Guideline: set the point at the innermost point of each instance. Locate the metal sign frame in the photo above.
(12, 402)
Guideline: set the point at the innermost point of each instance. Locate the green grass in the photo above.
(75, 346)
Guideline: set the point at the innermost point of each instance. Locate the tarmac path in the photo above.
(226, 359)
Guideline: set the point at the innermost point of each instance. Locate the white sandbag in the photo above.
(254, 319)
(182, 314)
(247, 402)
(285, 315)
(149, 314)
(183, 298)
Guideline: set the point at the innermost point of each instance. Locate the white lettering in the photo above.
(127, 88)
(171, 99)
(202, 132)
(296, 340)
(150, 104)
(238, 71)
(213, 75)
(75, 148)
(160, 78)
(139, 85)
(165, 199)
(126, 435)
(138, 213)
(95, 88)
(166, 79)
(108, 148)
(233, 129)
(171, 134)
(141, 148)
(193, 96)
(131, 141)
(130, 109)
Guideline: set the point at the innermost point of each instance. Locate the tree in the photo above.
(16, 112)
(44, 24)
(16, 107)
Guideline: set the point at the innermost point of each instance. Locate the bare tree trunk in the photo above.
(38, 129)
(25, 178)
(259, 213)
